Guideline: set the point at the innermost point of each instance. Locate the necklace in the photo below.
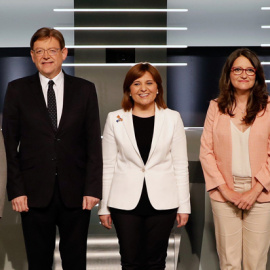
(243, 111)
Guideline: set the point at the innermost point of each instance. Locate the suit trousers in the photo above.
(39, 229)
(143, 239)
(242, 236)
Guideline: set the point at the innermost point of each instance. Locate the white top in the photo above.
(58, 88)
(240, 152)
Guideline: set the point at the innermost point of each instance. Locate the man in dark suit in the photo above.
(3, 174)
(52, 136)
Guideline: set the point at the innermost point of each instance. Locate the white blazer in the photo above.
(166, 170)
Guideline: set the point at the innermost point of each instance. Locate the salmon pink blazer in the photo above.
(216, 151)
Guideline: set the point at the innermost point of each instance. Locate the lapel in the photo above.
(36, 89)
(159, 120)
(255, 130)
(67, 102)
(129, 127)
(39, 101)
(225, 143)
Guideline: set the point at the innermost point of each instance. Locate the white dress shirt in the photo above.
(58, 89)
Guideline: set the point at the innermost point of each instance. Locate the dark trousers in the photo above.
(143, 240)
(39, 229)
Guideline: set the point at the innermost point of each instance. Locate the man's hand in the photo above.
(89, 202)
(19, 204)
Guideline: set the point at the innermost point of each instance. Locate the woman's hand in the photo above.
(248, 198)
(106, 221)
(229, 194)
(181, 219)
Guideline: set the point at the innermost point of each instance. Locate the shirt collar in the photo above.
(57, 79)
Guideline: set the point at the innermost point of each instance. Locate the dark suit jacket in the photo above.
(3, 174)
(35, 153)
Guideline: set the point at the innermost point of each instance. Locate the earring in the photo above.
(157, 92)
(130, 94)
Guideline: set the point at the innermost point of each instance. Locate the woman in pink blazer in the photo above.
(145, 171)
(235, 149)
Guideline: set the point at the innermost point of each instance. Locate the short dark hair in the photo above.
(136, 72)
(46, 32)
(258, 98)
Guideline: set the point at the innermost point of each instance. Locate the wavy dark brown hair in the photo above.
(133, 74)
(258, 97)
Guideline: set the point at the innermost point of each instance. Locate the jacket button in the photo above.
(143, 169)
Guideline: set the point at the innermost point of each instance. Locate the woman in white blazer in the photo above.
(145, 171)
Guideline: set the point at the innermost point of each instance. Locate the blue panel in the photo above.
(12, 68)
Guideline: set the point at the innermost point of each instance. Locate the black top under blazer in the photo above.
(36, 153)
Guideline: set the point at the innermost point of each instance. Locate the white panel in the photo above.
(20, 19)
(220, 23)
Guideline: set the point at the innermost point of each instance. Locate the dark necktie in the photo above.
(52, 104)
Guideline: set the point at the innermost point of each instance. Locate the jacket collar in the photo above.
(40, 101)
(67, 102)
(129, 127)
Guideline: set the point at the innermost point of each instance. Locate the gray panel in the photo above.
(220, 23)
(20, 19)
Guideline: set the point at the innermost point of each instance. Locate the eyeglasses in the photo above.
(239, 71)
(51, 51)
